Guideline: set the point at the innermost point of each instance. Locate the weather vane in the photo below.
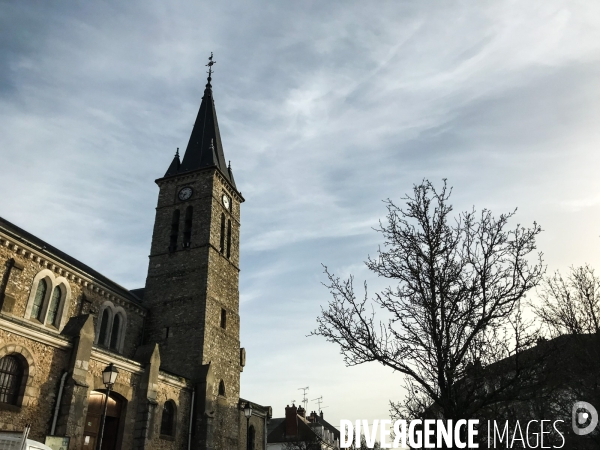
(210, 64)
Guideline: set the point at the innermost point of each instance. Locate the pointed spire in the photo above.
(174, 167)
(205, 148)
(231, 175)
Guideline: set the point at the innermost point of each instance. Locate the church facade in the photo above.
(175, 342)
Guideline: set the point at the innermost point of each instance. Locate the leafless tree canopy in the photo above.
(454, 307)
(569, 308)
(571, 305)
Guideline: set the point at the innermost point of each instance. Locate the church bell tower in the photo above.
(192, 288)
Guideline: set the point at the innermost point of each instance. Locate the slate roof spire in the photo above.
(205, 148)
(174, 167)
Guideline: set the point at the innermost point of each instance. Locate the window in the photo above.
(251, 437)
(222, 246)
(11, 374)
(223, 318)
(110, 332)
(104, 327)
(167, 423)
(48, 302)
(174, 231)
(114, 335)
(52, 317)
(222, 388)
(187, 229)
(228, 238)
(38, 301)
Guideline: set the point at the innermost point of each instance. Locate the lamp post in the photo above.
(109, 376)
(248, 413)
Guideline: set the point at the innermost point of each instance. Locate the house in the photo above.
(297, 431)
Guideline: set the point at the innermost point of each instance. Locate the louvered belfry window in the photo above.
(11, 373)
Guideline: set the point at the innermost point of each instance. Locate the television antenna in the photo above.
(304, 398)
(319, 401)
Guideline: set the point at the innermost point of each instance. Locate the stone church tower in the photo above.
(192, 286)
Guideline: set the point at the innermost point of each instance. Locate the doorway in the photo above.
(112, 424)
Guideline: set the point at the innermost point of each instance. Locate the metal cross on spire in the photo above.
(210, 64)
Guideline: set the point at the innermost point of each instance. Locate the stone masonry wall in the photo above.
(127, 385)
(83, 297)
(46, 366)
(182, 399)
(188, 287)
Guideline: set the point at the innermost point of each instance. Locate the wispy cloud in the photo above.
(325, 108)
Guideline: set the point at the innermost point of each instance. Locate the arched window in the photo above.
(174, 231)
(112, 325)
(222, 388)
(187, 228)
(116, 332)
(251, 437)
(222, 246)
(11, 374)
(167, 422)
(103, 327)
(38, 302)
(48, 301)
(52, 317)
(228, 238)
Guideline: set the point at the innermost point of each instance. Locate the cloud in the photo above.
(325, 109)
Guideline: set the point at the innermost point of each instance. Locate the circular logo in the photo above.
(585, 418)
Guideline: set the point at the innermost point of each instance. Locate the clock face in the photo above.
(185, 193)
(226, 201)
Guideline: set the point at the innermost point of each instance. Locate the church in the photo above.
(175, 343)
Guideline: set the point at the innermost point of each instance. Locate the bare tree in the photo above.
(453, 311)
(365, 446)
(570, 311)
(571, 305)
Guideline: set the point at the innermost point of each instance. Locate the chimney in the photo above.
(301, 411)
(321, 414)
(291, 420)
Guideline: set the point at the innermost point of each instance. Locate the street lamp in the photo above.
(109, 376)
(248, 414)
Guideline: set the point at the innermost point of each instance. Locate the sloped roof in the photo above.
(43, 247)
(276, 430)
(205, 148)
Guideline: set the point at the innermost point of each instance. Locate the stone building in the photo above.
(175, 342)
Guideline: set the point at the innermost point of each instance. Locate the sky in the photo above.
(325, 109)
